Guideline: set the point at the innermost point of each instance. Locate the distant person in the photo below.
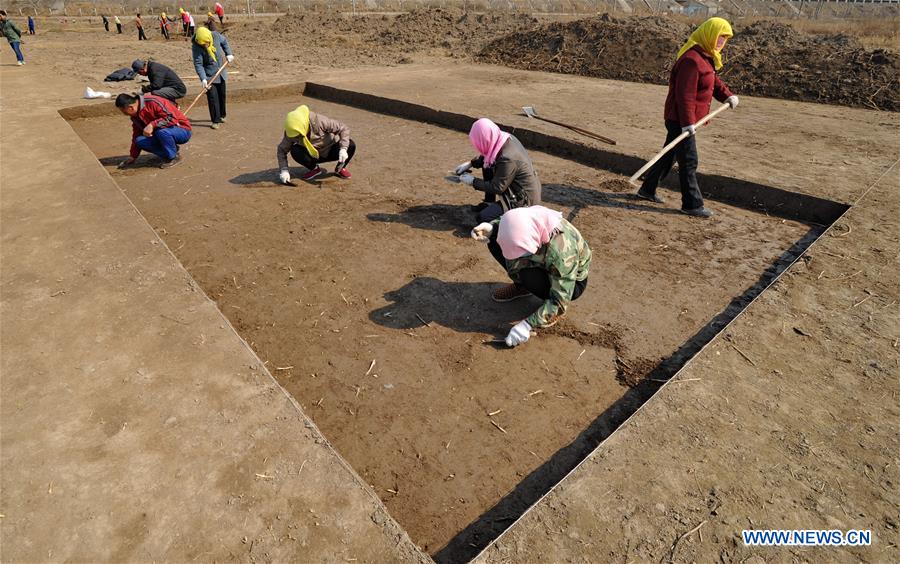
(187, 22)
(105, 23)
(13, 35)
(506, 168)
(545, 256)
(220, 12)
(164, 25)
(211, 22)
(30, 25)
(693, 83)
(118, 25)
(310, 139)
(163, 80)
(139, 24)
(158, 127)
(210, 50)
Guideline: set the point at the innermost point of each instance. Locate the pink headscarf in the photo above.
(524, 230)
(487, 139)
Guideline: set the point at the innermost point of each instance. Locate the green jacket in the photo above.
(566, 258)
(10, 31)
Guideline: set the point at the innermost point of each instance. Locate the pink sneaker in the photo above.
(313, 173)
(343, 173)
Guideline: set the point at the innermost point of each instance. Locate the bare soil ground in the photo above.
(324, 278)
(826, 331)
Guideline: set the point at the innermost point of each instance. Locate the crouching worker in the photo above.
(545, 256)
(311, 139)
(158, 127)
(163, 80)
(507, 170)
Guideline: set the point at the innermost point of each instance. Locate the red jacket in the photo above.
(220, 11)
(692, 86)
(156, 111)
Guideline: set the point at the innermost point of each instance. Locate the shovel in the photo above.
(531, 112)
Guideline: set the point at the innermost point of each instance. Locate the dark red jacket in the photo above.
(159, 112)
(692, 85)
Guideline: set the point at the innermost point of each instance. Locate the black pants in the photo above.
(184, 27)
(535, 280)
(165, 32)
(118, 28)
(141, 35)
(688, 159)
(215, 99)
(106, 25)
(302, 156)
(221, 22)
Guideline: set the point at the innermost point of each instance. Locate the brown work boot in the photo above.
(509, 293)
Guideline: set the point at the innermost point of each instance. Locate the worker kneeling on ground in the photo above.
(693, 83)
(163, 80)
(158, 127)
(507, 170)
(311, 139)
(545, 256)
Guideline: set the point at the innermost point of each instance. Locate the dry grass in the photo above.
(883, 33)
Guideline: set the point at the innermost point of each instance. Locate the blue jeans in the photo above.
(15, 47)
(164, 142)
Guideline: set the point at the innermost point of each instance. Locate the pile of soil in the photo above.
(342, 39)
(763, 59)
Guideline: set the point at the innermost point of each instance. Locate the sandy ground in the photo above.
(749, 434)
(260, 250)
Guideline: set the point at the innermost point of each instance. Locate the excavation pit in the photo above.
(370, 305)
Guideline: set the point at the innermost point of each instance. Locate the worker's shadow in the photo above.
(435, 217)
(577, 198)
(267, 177)
(143, 161)
(465, 307)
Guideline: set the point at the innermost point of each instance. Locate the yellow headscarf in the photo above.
(297, 125)
(204, 38)
(162, 15)
(180, 10)
(705, 36)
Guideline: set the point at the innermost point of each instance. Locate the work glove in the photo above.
(520, 333)
(230, 58)
(690, 129)
(732, 101)
(342, 156)
(203, 83)
(148, 130)
(463, 168)
(284, 176)
(482, 232)
(467, 179)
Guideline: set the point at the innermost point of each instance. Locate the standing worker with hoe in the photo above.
(14, 35)
(210, 50)
(220, 13)
(693, 83)
(158, 127)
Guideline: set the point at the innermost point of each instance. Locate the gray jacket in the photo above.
(324, 133)
(205, 66)
(512, 177)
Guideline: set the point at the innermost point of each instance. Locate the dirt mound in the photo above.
(764, 59)
(343, 38)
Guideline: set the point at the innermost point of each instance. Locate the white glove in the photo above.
(482, 232)
(467, 179)
(732, 101)
(690, 129)
(230, 58)
(203, 84)
(284, 176)
(463, 168)
(520, 333)
(342, 156)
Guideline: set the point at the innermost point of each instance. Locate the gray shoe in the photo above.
(698, 212)
(222, 120)
(648, 197)
(171, 163)
(214, 126)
